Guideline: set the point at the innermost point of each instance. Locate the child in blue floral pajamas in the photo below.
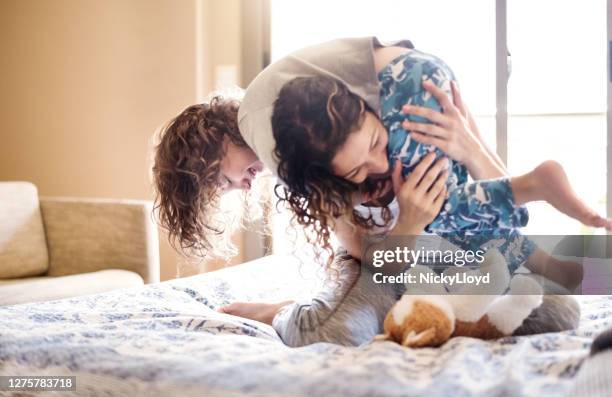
(475, 215)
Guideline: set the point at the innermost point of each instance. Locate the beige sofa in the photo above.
(52, 248)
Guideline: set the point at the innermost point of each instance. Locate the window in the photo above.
(468, 48)
(557, 100)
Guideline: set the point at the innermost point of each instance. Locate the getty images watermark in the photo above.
(570, 264)
(412, 257)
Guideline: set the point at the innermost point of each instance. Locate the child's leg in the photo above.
(567, 273)
(520, 250)
(515, 248)
(478, 206)
(548, 182)
(491, 204)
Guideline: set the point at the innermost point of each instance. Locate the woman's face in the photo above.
(364, 154)
(239, 167)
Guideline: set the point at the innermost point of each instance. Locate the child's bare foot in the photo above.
(555, 188)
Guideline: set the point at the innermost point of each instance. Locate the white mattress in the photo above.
(166, 339)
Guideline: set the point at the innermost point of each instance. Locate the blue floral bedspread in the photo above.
(167, 339)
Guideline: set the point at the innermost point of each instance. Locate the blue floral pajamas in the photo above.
(476, 214)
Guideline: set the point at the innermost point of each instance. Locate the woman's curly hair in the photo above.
(186, 170)
(311, 120)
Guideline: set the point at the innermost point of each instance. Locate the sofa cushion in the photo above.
(23, 249)
(38, 289)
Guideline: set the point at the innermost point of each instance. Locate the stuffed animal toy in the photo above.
(429, 314)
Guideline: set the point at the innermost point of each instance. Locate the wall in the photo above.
(84, 83)
(223, 22)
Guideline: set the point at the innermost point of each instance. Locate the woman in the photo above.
(180, 162)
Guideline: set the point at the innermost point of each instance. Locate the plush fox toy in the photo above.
(431, 314)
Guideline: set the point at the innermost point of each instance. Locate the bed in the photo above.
(167, 339)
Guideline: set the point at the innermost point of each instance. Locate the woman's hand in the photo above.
(420, 195)
(455, 133)
(451, 131)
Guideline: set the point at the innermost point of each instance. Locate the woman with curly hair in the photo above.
(347, 311)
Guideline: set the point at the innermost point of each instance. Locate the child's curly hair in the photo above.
(186, 171)
(311, 120)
